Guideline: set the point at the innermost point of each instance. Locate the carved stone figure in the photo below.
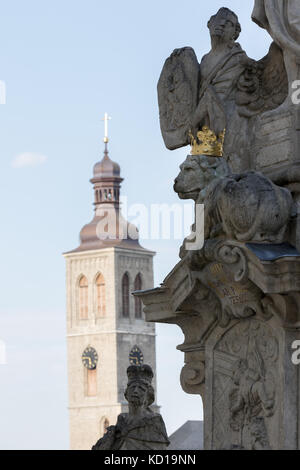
(245, 207)
(251, 403)
(237, 296)
(282, 21)
(141, 428)
(219, 70)
(198, 173)
(228, 90)
(191, 95)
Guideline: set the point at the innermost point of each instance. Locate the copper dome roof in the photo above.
(99, 234)
(106, 168)
(93, 238)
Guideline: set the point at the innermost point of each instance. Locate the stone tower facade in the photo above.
(106, 329)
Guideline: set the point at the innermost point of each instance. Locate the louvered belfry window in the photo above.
(125, 295)
(137, 301)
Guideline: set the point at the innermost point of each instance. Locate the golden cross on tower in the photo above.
(106, 119)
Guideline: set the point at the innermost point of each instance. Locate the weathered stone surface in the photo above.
(282, 21)
(243, 207)
(263, 85)
(236, 92)
(141, 428)
(238, 342)
(191, 95)
(237, 298)
(243, 382)
(177, 94)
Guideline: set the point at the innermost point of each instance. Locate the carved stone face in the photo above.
(223, 27)
(190, 179)
(197, 172)
(137, 393)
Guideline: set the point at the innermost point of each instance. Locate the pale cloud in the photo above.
(28, 159)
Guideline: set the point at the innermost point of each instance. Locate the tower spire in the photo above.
(106, 178)
(106, 183)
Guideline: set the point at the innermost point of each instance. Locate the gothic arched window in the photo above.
(137, 301)
(125, 295)
(83, 298)
(100, 296)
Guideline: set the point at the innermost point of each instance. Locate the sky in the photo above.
(65, 63)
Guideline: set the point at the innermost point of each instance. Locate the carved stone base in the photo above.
(240, 314)
(251, 387)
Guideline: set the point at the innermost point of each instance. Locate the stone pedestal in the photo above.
(237, 299)
(238, 305)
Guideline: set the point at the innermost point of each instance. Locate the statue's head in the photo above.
(139, 391)
(225, 26)
(196, 174)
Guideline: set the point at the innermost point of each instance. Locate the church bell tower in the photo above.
(106, 329)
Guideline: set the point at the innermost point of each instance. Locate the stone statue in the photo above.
(225, 92)
(236, 296)
(226, 201)
(191, 95)
(282, 21)
(141, 428)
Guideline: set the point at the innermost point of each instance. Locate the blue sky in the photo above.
(64, 64)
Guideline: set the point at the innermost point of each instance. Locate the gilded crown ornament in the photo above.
(207, 143)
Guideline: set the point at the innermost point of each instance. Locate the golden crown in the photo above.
(207, 143)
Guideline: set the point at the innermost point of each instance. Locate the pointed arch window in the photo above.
(137, 301)
(125, 295)
(83, 298)
(100, 296)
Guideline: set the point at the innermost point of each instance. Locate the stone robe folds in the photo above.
(217, 90)
(281, 18)
(147, 432)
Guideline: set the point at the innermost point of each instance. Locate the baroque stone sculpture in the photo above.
(229, 91)
(141, 428)
(237, 298)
